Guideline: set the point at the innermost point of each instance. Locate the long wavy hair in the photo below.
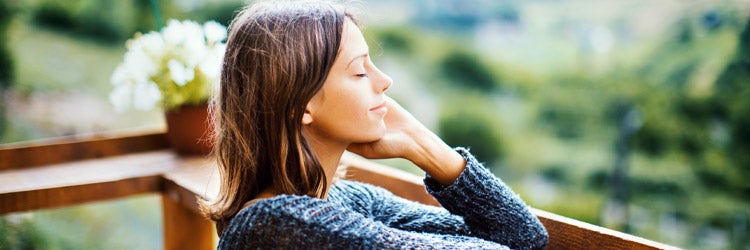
(278, 56)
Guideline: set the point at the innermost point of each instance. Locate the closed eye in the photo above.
(362, 75)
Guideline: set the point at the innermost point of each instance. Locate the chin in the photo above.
(372, 136)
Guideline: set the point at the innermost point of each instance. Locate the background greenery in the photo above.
(628, 114)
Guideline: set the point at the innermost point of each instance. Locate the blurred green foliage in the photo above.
(690, 91)
(6, 60)
(22, 235)
(396, 40)
(465, 68)
(220, 11)
(102, 20)
(115, 20)
(690, 158)
(730, 104)
(474, 130)
(7, 11)
(133, 223)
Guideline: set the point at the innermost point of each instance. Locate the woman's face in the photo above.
(351, 105)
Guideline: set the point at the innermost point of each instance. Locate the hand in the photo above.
(401, 129)
(405, 137)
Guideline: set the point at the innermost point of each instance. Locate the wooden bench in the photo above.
(76, 170)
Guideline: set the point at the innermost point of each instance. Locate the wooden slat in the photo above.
(76, 194)
(88, 171)
(565, 233)
(67, 149)
(197, 175)
(83, 181)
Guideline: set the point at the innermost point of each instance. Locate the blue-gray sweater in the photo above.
(479, 212)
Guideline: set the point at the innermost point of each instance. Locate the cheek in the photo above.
(343, 94)
(346, 114)
(348, 105)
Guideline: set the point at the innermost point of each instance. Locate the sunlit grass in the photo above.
(50, 61)
(62, 86)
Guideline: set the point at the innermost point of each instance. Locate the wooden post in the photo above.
(184, 228)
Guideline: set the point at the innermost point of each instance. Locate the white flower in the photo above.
(211, 67)
(121, 98)
(152, 44)
(119, 76)
(180, 74)
(146, 95)
(194, 50)
(176, 32)
(192, 29)
(139, 64)
(215, 32)
(173, 33)
(168, 61)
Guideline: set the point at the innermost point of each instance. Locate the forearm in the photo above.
(489, 207)
(305, 222)
(436, 158)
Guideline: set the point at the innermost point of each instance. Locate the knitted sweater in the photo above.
(479, 212)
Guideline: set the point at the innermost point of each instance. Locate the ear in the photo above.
(307, 118)
(311, 107)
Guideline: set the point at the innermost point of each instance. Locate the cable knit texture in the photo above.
(479, 212)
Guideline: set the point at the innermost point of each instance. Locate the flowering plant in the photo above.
(178, 66)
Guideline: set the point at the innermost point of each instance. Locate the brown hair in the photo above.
(278, 56)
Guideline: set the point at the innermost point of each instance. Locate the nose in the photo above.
(383, 83)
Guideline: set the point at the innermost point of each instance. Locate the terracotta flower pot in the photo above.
(188, 129)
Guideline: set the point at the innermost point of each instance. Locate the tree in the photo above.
(6, 60)
(467, 69)
(731, 104)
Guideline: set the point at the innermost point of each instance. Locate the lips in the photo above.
(382, 105)
(380, 109)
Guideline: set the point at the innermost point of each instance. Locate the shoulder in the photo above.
(291, 208)
(290, 215)
(286, 221)
(281, 206)
(278, 210)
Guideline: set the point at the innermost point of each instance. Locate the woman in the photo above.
(298, 88)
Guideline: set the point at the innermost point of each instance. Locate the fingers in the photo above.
(390, 146)
(367, 150)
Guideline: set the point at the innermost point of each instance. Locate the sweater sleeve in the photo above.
(477, 204)
(490, 209)
(302, 222)
(383, 206)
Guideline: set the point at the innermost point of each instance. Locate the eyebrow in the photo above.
(355, 58)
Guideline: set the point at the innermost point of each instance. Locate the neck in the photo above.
(328, 153)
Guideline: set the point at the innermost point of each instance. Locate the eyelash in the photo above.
(362, 75)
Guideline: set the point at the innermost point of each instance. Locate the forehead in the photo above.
(352, 41)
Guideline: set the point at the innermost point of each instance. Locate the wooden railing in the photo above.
(71, 171)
